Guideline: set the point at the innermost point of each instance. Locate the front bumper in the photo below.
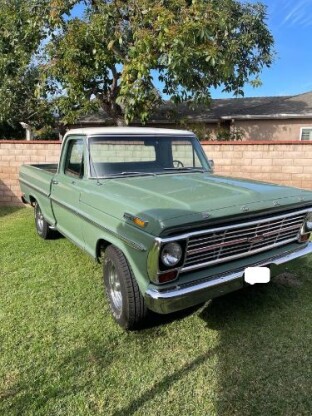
(184, 296)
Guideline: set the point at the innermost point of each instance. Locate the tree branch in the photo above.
(114, 87)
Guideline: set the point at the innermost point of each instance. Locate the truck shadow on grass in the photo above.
(155, 320)
(264, 353)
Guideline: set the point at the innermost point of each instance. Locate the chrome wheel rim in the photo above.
(114, 287)
(40, 219)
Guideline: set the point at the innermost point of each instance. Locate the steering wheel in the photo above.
(177, 164)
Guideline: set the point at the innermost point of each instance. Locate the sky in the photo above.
(290, 22)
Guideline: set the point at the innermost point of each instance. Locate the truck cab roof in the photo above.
(90, 131)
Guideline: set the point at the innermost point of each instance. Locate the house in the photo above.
(255, 118)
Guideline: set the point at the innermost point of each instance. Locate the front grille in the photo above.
(235, 241)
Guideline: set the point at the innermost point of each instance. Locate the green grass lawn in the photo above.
(249, 353)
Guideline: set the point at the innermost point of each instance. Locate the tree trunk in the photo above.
(120, 121)
(114, 111)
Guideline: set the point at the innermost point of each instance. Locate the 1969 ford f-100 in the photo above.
(170, 233)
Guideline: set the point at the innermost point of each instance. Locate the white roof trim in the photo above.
(88, 131)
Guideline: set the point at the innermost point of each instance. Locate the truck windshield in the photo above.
(138, 156)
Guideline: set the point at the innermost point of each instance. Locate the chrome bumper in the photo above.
(181, 297)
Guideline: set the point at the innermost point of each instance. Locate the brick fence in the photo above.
(288, 163)
(15, 153)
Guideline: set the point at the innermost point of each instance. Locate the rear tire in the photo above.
(42, 226)
(126, 302)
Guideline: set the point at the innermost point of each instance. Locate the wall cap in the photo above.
(253, 142)
(31, 141)
(205, 142)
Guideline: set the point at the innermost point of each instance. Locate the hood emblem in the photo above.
(244, 208)
(256, 239)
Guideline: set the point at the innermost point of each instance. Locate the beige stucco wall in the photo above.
(272, 129)
(289, 130)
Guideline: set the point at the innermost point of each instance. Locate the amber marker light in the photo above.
(136, 220)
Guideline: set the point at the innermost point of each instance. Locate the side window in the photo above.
(74, 159)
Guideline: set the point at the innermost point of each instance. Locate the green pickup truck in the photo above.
(169, 232)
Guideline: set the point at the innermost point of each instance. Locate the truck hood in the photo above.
(172, 200)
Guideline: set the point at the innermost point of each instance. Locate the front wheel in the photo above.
(125, 300)
(42, 227)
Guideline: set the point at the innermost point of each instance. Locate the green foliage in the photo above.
(19, 103)
(21, 32)
(46, 133)
(221, 133)
(202, 130)
(114, 55)
(230, 134)
(116, 52)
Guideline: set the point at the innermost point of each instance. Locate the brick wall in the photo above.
(15, 153)
(288, 163)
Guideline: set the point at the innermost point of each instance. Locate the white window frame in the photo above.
(301, 131)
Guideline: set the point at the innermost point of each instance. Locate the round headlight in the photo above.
(308, 222)
(171, 254)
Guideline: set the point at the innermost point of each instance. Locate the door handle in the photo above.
(54, 182)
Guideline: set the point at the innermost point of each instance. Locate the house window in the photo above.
(306, 133)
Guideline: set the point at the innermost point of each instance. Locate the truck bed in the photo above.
(49, 167)
(36, 179)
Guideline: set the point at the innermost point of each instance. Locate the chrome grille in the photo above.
(232, 242)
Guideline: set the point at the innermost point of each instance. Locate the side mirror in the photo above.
(211, 164)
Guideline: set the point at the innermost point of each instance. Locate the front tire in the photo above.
(42, 227)
(125, 300)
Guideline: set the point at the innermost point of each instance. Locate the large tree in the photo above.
(124, 55)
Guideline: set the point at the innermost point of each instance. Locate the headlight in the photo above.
(171, 254)
(308, 222)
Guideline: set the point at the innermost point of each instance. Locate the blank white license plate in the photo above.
(257, 275)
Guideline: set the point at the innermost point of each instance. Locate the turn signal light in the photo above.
(136, 220)
(139, 222)
(167, 276)
(303, 238)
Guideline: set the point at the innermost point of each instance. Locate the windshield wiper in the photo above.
(135, 173)
(187, 169)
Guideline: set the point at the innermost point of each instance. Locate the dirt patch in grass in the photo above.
(287, 279)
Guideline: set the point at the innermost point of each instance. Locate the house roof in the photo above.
(296, 106)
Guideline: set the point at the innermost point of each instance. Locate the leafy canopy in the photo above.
(125, 55)
(21, 32)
